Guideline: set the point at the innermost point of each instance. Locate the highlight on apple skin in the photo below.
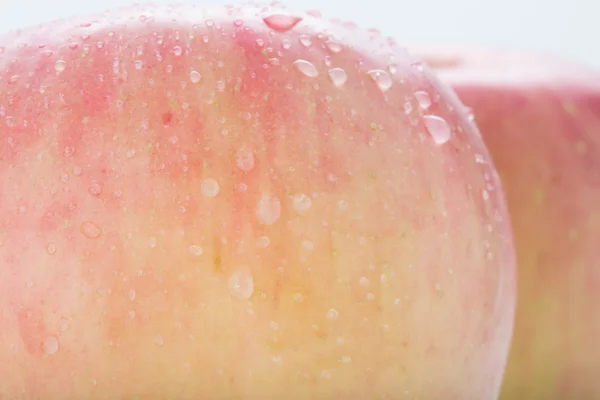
(243, 202)
(540, 118)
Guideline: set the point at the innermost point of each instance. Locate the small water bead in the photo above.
(301, 202)
(51, 249)
(308, 246)
(281, 22)
(131, 295)
(479, 159)
(195, 76)
(244, 159)
(364, 281)
(381, 78)
(263, 242)
(209, 187)
(50, 345)
(307, 68)
(345, 359)
(338, 76)
(268, 209)
(95, 189)
(333, 46)
(60, 66)
(196, 250)
(139, 64)
(177, 50)
(423, 99)
(63, 324)
(305, 40)
(332, 314)
(152, 242)
(131, 314)
(241, 284)
(90, 230)
(438, 128)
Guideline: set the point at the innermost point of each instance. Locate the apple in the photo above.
(243, 202)
(540, 118)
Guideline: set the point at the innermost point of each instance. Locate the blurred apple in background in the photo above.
(540, 118)
(241, 202)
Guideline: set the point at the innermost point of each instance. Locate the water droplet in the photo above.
(50, 345)
(332, 314)
(131, 295)
(307, 68)
(69, 150)
(305, 40)
(60, 66)
(308, 246)
(485, 194)
(345, 359)
(244, 159)
(381, 78)
(195, 76)
(152, 242)
(364, 281)
(63, 324)
(281, 22)
(241, 284)
(408, 108)
(263, 242)
(209, 187)
(51, 248)
(95, 189)
(177, 50)
(423, 99)
(131, 314)
(333, 46)
(159, 341)
(338, 76)
(298, 298)
(268, 209)
(438, 128)
(139, 64)
(301, 202)
(196, 250)
(479, 159)
(90, 230)
(13, 79)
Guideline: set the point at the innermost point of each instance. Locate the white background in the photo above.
(570, 28)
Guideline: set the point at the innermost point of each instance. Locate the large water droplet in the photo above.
(305, 40)
(241, 284)
(438, 128)
(307, 68)
(301, 203)
(381, 78)
(268, 209)
(423, 99)
(281, 22)
(50, 345)
(244, 159)
(90, 230)
(333, 46)
(338, 76)
(195, 76)
(209, 187)
(60, 66)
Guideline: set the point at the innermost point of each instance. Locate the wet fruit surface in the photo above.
(242, 202)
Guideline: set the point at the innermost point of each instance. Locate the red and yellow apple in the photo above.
(243, 202)
(540, 118)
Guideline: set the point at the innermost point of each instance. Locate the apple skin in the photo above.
(194, 205)
(540, 118)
